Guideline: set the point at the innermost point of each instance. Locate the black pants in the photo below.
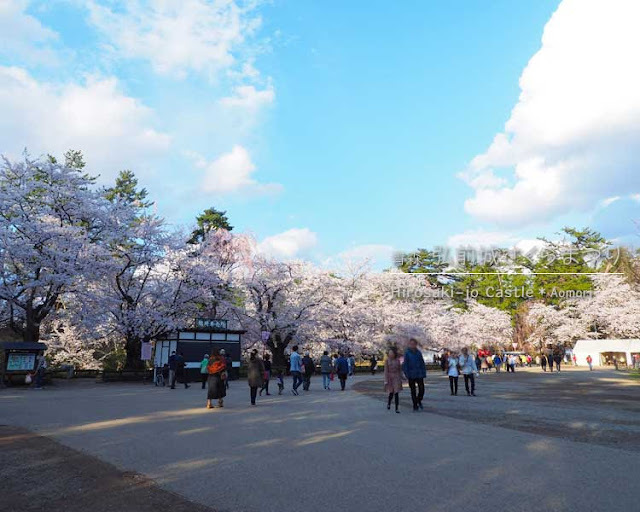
(391, 397)
(470, 378)
(306, 381)
(254, 393)
(343, 380)
(180, 376)
(453, 384)
(265, 387)
(204, 377)
(416, 396)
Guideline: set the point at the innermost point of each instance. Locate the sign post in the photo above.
(211, 323)
(145, 352)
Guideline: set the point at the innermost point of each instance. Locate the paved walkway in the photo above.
(329, 450)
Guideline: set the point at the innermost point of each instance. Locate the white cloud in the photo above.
(113, 130)
(247, 97)
(231, 172)
(23, 36)
(480, 238)
(376, 257)
(288, 244)
(571, 140)
(177, 37)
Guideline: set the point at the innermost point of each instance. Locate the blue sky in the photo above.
(326, 127)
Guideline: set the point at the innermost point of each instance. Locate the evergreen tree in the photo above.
(208, 221)
(126, 190)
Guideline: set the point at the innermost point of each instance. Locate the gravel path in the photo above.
(602, 407)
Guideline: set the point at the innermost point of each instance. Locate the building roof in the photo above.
(22, 345)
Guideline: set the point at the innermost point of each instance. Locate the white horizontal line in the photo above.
(509, 273)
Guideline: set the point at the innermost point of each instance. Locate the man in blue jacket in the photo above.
(342, 369)
(416, 371)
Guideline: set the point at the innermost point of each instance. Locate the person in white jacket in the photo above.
(453, 372)
(468, 369)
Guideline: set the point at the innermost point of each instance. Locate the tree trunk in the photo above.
(31, 331)
(279, 359)
(133, 348)
(277, 344)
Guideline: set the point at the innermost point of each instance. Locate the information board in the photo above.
(145, 352)
(17, 362)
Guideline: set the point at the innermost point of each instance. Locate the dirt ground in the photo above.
(600, 407)
(37, 474)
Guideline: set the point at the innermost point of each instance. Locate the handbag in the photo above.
(223, 375)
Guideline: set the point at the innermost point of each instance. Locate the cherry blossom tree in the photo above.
(280, 298)
(52, 225)
(482, 325)
(612, 311)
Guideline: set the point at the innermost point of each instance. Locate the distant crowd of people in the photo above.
(410, 368)
(214, 371)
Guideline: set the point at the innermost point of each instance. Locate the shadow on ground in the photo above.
(37, 473)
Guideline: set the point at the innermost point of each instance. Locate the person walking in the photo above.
(172, 370)
(255, 374)
(352, 365)
(326, 369)
(484, 364)
(181, 371)
(511, 363)
(497, 362)
(342, 369)
(443, 362)
(229, 362)
(267, 375)
(468, 368)
(295, 367)
(590, 362)
(543, 363)
(280, 381)
(558, 360)
(204, 373)
(416, 371)
(217, 369)
(393, 378)
(41, 369)
(453, 371)
(575, 360)
(309, 369)
(373, 365)
(550, 361)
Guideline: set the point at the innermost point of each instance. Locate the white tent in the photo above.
(600, 349)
